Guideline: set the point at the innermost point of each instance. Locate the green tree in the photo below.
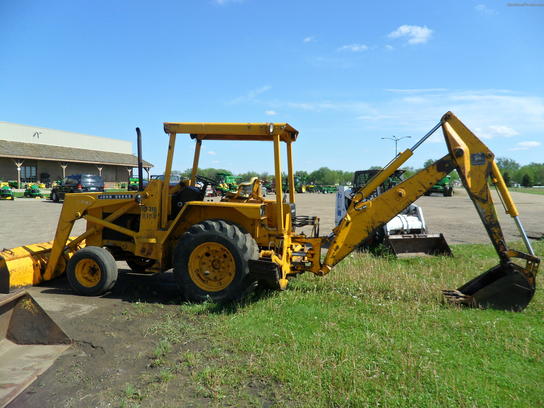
(507, 179)
(248, 175)
(506, 164)
(427, 163)
(526, 181)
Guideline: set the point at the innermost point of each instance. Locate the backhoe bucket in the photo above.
(418, 244)
(25, 265)
(30, 341)
(506, 286)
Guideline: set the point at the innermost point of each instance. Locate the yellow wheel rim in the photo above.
(212, 267)
(88, 273)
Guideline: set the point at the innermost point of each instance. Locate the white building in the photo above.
(42, 154)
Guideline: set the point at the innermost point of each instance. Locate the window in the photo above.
(28, 174)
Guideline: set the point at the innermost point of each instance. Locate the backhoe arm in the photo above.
(506, 286)
(364, 216)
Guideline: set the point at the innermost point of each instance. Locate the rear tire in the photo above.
(54, 197)
(92, 271)
(211, 262)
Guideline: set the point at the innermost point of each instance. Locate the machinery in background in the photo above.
(33, 191)
(6, 193)
(444, 186)
(226, 183)
(404, 235)
(133, 183)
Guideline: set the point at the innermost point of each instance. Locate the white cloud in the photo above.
(530, 143)
(414, 34)
(270, 112)
(389, 47)
(414, 99)
(308, 39)
(526, 145)
(224, 2)
(353, 47)
(492, 131)
(211, 152)
(412, 91)
(491, 114)
(251, 95)
(502, 130)
(483, 9)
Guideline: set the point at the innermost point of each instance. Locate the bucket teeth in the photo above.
(454, 296)
(503, 287)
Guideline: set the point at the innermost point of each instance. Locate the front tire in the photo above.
(211, 262)
(54, 197)
(92, 271)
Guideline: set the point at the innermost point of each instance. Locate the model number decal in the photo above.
(115, 196)
(149, 212)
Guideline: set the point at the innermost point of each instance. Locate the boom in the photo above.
(507, 286)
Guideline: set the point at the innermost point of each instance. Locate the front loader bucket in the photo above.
(30, 341)
(418, 244)
(25, 265)
(506, 286)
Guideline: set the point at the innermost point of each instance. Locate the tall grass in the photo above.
(375, 332)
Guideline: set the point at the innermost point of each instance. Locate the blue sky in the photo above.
(344, 73)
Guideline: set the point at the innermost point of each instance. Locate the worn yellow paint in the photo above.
(212, 267)
(88, 273)
(234, 131)
(25, 265)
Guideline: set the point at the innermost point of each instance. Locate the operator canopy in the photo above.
(234, 131)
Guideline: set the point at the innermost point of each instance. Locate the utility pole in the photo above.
(396, 140)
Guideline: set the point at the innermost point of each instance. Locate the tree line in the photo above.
(513, 173)
(531, 174)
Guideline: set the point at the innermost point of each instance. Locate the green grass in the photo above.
(527, 190)
(375, 332)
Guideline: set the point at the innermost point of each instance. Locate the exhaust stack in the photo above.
(140, 160)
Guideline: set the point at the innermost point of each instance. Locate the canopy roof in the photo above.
(234, 131)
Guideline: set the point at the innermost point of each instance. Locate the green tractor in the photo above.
(6, 193)
(33, 191)
(444, 187)
(325, 189)
(226, 183)
(133, 183)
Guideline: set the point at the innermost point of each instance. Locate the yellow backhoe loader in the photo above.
(220, 250)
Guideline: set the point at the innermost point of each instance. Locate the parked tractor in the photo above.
(6, 193)
(32, 191)
(444, 186)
